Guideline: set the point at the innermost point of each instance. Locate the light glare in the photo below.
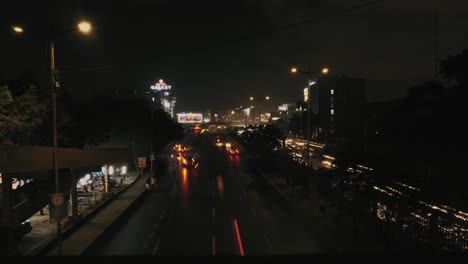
(84, 27)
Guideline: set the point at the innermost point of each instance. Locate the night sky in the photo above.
(198, 46)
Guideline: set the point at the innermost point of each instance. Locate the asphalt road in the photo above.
(210, 210)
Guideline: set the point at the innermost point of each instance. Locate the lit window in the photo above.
(332, 91)
(333, 111)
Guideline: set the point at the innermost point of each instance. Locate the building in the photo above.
(162, 92)
(338, 108)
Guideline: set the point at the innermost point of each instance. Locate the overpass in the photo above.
(34, 167)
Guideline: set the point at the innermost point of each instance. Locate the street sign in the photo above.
(141, 162)
(57, 207)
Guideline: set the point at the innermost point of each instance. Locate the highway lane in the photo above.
(210, 210)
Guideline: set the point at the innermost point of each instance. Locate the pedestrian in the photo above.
(148, 183)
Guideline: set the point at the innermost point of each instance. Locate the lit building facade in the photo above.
(162, 92)
(338, 103)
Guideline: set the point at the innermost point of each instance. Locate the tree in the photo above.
(31, 113)
(23, 111)
(9, 121)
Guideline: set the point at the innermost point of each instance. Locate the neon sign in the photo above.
(161, 86)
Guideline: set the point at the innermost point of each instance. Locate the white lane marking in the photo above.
(213, 246)
(254, 213)
(267, 241)
(155, 250)
(213, 213)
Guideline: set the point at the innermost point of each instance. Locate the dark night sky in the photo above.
(390, 44)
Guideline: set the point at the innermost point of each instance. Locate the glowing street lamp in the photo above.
(323, 71)
(267, 98)
(17, 29)
(84, 27)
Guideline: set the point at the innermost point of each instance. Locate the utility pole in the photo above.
(55, 85)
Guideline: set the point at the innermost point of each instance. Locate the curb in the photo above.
(120, 219)
(116, 222)
(66, 232)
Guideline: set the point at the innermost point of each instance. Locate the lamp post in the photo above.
(251, 107)
(85, 28)
(323, 71)
(267, 100)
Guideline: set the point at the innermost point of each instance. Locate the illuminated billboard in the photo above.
(189, 118)
(161, 86)
(283, 107)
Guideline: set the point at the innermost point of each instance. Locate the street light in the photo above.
(323, 71)
(84, 27)
(267, 98)
(251, 98)
(17, 29)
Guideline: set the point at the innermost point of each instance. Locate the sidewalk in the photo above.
(44, 234)
(77, 242)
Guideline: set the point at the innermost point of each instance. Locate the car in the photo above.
(190, 161)
(231, 151)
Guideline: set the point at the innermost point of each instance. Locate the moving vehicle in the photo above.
(190, 161)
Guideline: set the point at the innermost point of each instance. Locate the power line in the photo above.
(299, 23)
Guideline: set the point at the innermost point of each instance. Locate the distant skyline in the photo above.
(390, 44)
